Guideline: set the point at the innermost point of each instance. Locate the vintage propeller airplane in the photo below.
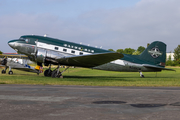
(42, 49)
(17, 61)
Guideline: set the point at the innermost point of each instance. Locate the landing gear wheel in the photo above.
(3, 72)
(55, 74)
(142, 76)
(10, 72)
(47, 73)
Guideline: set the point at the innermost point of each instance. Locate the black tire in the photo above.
(47, 73)
(54, 74)
(3, 72)
(10, 72)
(142, 76)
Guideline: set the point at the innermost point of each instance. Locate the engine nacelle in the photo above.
(47, 56)
(54, 54)
(41, 55)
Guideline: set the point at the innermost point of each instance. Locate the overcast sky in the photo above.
(115, 24)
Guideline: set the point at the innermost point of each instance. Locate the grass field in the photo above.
(89, 77)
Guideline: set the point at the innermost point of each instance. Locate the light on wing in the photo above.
(91, 60)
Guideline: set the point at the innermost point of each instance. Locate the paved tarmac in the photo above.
(36, 102)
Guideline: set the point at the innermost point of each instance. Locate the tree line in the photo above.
(130, 50)
(176, 61)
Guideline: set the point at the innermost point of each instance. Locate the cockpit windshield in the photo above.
(22, 39)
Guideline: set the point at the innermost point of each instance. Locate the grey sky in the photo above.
(112, 24)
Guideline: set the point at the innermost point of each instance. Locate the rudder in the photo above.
(155, 53)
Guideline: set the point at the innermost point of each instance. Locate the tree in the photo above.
(120, 50)
(129, 51)
(111, 50)
(148, 44)
(1, 52)
(136, 53)
(177, 54)
(141, 49)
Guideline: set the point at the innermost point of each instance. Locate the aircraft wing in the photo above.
(91, 60)
(157, 67)
(27, 69)
(13, 56)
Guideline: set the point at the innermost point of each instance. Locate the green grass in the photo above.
(89, 77)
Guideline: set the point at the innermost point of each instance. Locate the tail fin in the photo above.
(155, 53)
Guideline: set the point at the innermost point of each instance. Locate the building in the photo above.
(168, 55)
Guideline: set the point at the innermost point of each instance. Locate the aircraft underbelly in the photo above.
(124, 66)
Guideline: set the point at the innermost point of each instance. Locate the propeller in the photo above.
(4, 61)
(35, 48)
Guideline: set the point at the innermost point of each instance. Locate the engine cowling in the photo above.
(4, 61)
(54, 54)
(47, 56)
(41, 55)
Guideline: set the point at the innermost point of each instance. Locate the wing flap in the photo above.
(91, 60)
(157, 67)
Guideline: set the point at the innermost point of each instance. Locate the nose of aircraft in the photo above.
(11, 43)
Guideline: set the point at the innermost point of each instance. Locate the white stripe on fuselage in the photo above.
(60, 49)
(77, 52)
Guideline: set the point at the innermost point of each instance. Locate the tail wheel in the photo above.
(10, 72)
(142, 76)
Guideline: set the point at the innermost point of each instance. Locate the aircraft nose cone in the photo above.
(11, 44)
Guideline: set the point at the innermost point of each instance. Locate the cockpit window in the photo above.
(27, 40)
(22, 39)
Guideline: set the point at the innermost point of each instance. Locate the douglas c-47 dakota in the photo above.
(47, 51)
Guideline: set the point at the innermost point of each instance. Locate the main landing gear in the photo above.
(141, 75)
(48, 72)
(10, 71)
(55, 73)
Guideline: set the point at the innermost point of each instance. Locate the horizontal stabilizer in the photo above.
(90, 60)
(157, 67)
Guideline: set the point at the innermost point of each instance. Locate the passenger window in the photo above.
(65, 50)
(80, 53)
(56, 48)
(72, 51)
